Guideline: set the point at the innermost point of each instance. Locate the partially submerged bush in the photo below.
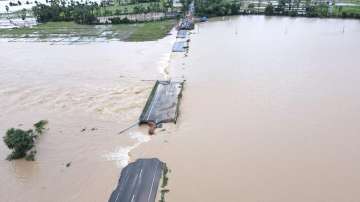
(21, 141)
(40, 126)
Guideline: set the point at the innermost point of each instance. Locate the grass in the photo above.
(346, 10)
(152, 31)
(62, 30)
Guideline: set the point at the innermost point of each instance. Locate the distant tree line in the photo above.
(306, 8)
(217, 7)
(309, 9)
(82, 13)
(87, 13)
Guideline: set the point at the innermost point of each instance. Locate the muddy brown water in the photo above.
(269, 112)
(95, 87)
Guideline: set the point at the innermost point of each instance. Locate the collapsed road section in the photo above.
(180, 46)
(139, 181)
(182, 34)
(162, 105)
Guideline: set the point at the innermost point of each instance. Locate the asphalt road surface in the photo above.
(163, 103)
(139, 182)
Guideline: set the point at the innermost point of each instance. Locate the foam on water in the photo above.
(121, 154)
(164, 64)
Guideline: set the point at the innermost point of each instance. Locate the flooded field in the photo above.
(269, 113)
(88, 93)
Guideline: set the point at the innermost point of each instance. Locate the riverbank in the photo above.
(53, 31)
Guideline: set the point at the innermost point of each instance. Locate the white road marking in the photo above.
(152, 106)
(117, 197)
(152, 184)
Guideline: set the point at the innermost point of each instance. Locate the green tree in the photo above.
(269, 10)
(23, 14)
(21, 141)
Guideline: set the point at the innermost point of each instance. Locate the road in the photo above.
(139, 182)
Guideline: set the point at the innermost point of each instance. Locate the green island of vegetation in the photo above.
(22, 142)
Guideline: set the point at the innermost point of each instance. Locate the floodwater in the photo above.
(88, 93)
(269, 113)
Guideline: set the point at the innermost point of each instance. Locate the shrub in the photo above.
(117, 20)
(40, 126)
(21, 141)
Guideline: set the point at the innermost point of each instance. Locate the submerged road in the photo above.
(162, 105)
(139, 182)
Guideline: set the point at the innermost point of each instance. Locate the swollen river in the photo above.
(270, 112)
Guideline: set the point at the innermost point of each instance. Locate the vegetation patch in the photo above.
(56, 31)
(22, 142)
(217, 7)
(151, 31)
(164, 183)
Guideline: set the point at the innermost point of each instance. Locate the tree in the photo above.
(21, 141)
(82, 13)
(269, 10)
(235, 8)
(185, 5)
(23, 14)
(251, 7)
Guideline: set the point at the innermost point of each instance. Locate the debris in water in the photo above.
(152, 127)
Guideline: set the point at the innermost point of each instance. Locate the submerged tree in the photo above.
(21, 142)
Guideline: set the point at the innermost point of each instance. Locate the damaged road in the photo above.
(139, 181)
(163, 103)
